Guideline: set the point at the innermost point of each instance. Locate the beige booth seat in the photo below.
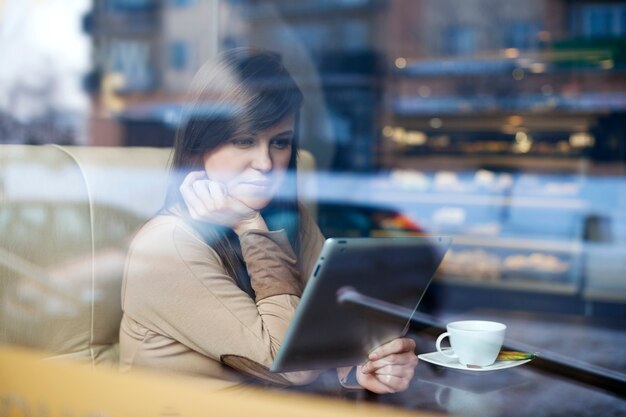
(67, 215)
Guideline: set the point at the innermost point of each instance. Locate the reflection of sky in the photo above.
(540, 206)
(44, 57)
(139, 191)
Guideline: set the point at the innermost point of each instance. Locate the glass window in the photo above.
(179, 55)
(601, 20)
(182, 3)
(132, 60)
(497, 123)
(129, 5)
(459, 40)
(522, 35)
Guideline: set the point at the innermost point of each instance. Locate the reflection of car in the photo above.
(350, 220)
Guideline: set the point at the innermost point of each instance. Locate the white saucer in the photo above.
(442, 360)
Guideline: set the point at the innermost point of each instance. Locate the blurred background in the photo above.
(498, 122)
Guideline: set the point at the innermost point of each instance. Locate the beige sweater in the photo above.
(184, 313)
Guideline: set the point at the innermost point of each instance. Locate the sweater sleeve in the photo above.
(271, 264)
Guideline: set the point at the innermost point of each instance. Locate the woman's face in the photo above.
(253, 166)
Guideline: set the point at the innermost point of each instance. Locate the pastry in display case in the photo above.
(508, 264)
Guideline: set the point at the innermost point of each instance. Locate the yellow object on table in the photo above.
(30, 385)
(507, 355)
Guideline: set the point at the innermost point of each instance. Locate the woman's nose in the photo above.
(262, 159)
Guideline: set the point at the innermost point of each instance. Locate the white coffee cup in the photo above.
(473, 342)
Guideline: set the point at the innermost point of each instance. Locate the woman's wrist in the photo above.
(254, 223)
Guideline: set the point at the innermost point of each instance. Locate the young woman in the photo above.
(213, 281)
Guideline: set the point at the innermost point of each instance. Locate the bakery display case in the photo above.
(526, 232)
(527, 265)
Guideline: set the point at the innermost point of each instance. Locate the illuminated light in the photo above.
(484, 177)
(515, 120)
(403, 137)
(435, 123)
(581, 140)
(399, 132)
(607, 64)
(518, 74)
(537, 67)
(415, 138)
(400, 63)
(511, 52)
(110, 85)
(399, 135)
(388, 131)
(523, 142)
(547, 90)
(424, 91)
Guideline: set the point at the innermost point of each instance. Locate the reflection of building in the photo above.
(340, 38)
(490, 79)
(146, 51)
(190, 37)
(154, 46)
(126, 36)
(474, 77)
(405, 79)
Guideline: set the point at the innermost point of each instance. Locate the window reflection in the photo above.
(499, 125)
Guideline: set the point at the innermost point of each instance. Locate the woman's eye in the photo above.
(242, 142)
(281, 143)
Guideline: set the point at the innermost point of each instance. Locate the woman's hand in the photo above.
(390, 367)
(209, 201)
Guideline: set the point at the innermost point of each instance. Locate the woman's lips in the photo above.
(255, 187)
(259, 183)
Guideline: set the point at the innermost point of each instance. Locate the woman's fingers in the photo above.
(386, 382)
(189, 192)
(192, 177)
(399, 360)
(208, 200)
(395, 383)
(218, 195)
(399, 345)
(390, 367)
(400, 371)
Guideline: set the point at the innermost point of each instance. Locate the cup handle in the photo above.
(448, 352)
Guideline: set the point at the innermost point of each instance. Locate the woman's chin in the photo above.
(255, 202)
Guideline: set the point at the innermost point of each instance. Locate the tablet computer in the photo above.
(394, 271)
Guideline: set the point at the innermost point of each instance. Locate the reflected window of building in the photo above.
(599, 20)
(179, 55)
(522, 35)
(182, 3)
(133, 60)
(459, 40)
(129, 5)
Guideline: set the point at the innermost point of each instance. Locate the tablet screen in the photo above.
(325, 333)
